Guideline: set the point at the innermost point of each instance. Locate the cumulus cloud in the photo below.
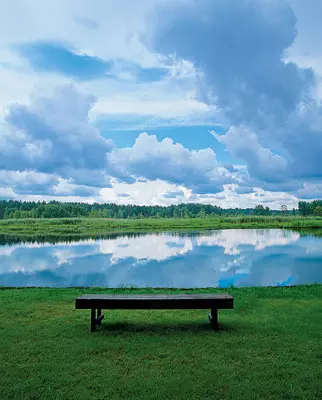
(240, 50)
(6, 193)
(65, 188)
(169, 161)
(262, 163)
(49, 147)
(249, 184)
(310, 191)
(173, 195)
(53, 136)
(244, 189)
(241, 54)
(28, 182)
(37, 183)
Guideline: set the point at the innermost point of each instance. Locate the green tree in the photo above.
(259, 210)
(284, 209)
(318, 210)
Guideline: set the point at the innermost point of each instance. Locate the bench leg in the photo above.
(213, 317)
(95, 320)
(92, 326)
(100, 316)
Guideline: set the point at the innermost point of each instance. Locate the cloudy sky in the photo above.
(161, 101)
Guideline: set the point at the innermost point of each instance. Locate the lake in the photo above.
(219, 258)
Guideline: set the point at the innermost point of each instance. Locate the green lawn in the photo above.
(269, 347)
(71, 228)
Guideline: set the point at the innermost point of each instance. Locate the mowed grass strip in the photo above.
(269, 347)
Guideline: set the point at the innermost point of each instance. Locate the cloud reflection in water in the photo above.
(221, 258)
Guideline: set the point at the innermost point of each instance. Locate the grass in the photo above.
(71, 228)
(269, 348)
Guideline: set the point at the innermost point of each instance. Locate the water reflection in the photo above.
(217, 258)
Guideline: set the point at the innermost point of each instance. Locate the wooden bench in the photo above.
(153, 302)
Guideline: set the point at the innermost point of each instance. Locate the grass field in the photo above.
(269, 347)
(84, 227)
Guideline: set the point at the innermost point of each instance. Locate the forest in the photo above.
(12, 209)
(310, 208)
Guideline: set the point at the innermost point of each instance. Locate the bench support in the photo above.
(184, 301)
(95, 320)
(213, 318)
(100, 316)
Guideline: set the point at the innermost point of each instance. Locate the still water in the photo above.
(254, 257)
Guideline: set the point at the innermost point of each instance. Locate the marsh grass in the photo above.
(72, 228)
(269, 347)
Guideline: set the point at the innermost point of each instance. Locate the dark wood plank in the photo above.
(157, 296)
(156, 302)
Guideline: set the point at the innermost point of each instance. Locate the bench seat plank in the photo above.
(155, 301)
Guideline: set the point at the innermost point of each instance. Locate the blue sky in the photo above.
(161, 102)
(192, 137)
(56, 57)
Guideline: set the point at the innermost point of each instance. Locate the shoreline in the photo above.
(82, 228)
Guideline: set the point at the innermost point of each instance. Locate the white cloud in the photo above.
(262, 163)
(231, 240)
(65, 188)
(115, 37)
(160, 105)
(306, 49)
(149, 247)
(169, 161)
(53, 136)
(142, 249)
(310, 191)
(49, 139)
(23, 182)
(143, 193)
(6, 193)
(252, 81)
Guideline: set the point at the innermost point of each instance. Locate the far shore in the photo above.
(78, 228)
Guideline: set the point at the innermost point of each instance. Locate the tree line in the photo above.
(12, 209)
(307, 208)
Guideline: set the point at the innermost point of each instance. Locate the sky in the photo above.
(161, 101)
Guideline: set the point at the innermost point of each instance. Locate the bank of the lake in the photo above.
(86, 227)
(269, 348)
